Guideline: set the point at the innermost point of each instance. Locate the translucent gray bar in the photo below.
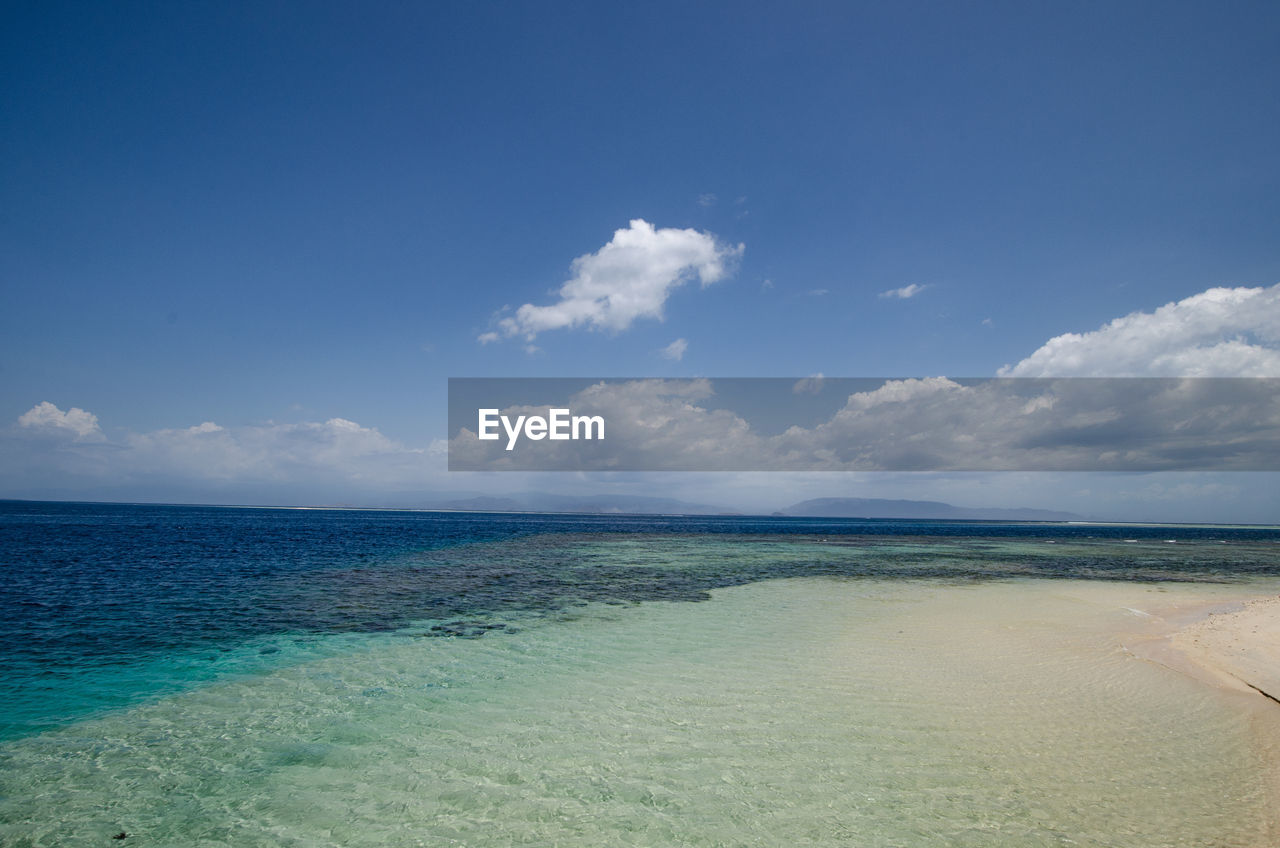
(864, 424)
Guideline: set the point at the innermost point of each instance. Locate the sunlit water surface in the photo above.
(650, 685)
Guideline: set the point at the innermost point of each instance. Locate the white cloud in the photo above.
(45, 416)
(1222, 332)
(274, 451)
(705, 200)
(904, 292)
(485, 338)
(819, 292)
(811, 385)
(675, 350)
(629, 278)
(337, 454)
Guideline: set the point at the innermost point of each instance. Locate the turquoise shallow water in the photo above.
(385, 680)
(805, 711)
(110, 605)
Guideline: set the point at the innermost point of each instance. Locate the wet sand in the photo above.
(1230, 644)
(1238, 646)
(1232, 647)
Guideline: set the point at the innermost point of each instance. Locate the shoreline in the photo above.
(1232, 648)
(1238, 646)
(1230, 645)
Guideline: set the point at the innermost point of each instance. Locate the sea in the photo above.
(218, 676)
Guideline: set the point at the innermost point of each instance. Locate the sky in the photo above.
(243, 246)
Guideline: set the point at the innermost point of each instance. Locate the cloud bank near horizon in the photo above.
(342, 462)
(49, 444)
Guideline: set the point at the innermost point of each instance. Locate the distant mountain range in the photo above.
(817, 508)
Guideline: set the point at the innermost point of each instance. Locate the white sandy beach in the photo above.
(1238, 646)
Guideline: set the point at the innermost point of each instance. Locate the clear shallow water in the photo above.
(313, 678)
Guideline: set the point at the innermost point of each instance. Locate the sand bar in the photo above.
(1237, 646)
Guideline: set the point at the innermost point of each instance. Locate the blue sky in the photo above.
(278, 214)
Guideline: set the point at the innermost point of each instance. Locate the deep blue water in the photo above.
(106, 604)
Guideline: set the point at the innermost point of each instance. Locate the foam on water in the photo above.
(811, 711)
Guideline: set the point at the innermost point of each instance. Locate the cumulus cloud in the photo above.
(904, 292)
(49, 418)
(675, 350)
(1222, 332)
(629, 278)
